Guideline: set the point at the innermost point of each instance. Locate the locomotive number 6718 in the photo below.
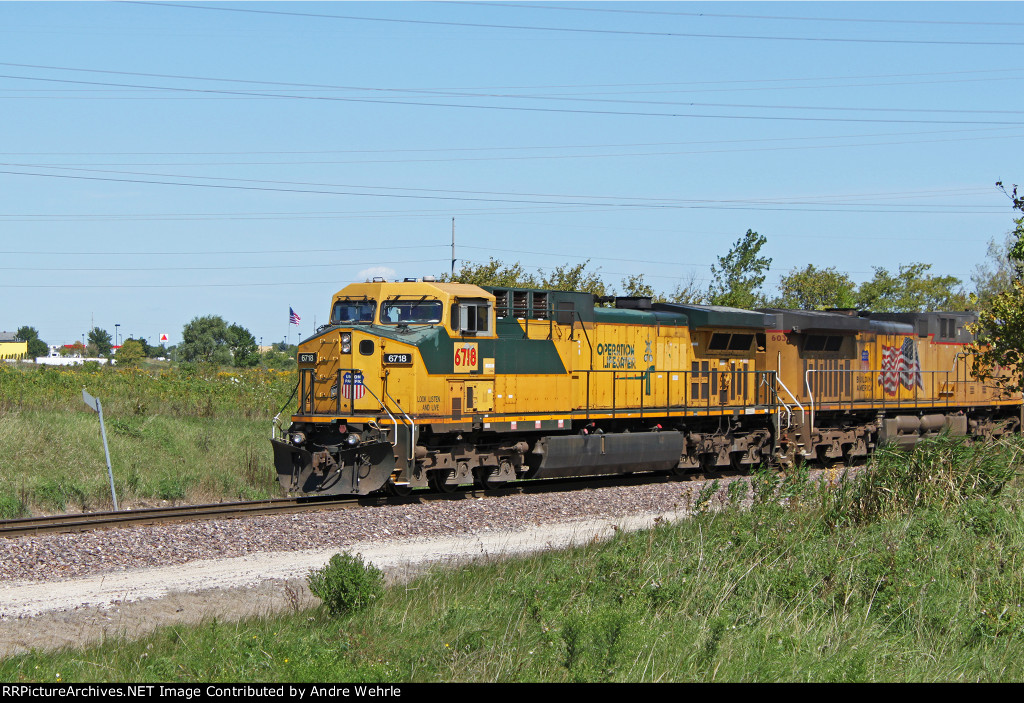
(420, 383)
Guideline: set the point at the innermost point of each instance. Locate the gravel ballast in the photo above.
(66, 589)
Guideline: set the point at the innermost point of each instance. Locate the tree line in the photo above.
(738, 278)
(205, 339)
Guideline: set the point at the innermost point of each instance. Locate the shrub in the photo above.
(346, 584)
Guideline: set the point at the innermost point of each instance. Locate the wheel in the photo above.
(709, 462)
(486, 477)
(827, 462)
(438, 481)
(689, 463)
(736, 461)
(753, 454)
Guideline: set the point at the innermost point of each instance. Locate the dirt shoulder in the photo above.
(54, 614)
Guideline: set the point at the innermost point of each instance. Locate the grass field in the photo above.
(184, 434)
(911, 572)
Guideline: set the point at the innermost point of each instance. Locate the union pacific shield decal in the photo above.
(352, 387)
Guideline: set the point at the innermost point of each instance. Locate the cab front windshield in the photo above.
(353, 312)
(411, 312)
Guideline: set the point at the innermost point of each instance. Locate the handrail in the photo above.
(933, 399)
(575, 314)
(412, 425)
(384, 407)
(810, 395)
(778, 398)
(803, 413)
(688, 400)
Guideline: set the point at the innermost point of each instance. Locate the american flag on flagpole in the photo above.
(901, 365)
(293, 318)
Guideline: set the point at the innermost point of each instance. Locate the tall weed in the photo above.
(939, 473)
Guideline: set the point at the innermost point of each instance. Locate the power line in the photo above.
(250, 284)
(639, 203)
(390, 262)
(522, 108)
(244, 284)
(452, 92)
(51, 269)
(729, 85)
(786, 18)
(583, 30)
(516, 194)
(536, 157)
(540, 147)
(207, 252)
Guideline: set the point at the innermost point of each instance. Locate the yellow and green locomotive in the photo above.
(422, 383)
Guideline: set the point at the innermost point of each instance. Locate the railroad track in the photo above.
(85, 522)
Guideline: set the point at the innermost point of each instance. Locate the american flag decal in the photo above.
(352, 387)
(901, 366)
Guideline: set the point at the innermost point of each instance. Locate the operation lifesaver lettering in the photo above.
(617, 356)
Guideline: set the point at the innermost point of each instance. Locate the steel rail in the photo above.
(82, 522)
(85, 522)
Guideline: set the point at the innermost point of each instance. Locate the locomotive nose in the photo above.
(354, 469)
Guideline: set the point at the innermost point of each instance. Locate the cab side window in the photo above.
(471, 317)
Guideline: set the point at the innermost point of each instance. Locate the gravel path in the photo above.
(64, 589)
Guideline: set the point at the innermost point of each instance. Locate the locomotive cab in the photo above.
(364, 386)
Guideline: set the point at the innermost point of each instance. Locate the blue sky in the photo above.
(162, 161)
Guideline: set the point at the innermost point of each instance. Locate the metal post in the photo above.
(668, 392)
(95, 404)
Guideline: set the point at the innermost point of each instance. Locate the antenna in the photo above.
(453, 247)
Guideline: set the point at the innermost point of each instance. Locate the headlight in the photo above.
(352, 440)
(346, 342)
(298, 438)
(345, 348)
